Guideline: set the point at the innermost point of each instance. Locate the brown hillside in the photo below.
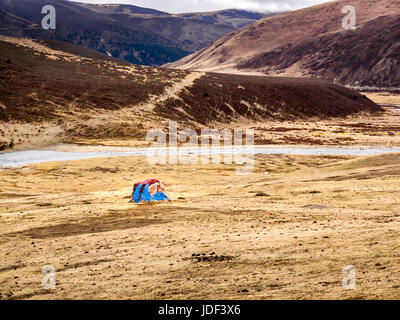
(138, 35)
(44, 79)
(277, 45)
(367, 56)
(225, 97)
(40, 82)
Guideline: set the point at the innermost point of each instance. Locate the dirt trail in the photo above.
(143, 113)
(171, 92)
(48, 52)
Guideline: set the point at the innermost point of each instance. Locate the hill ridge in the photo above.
(241, 51)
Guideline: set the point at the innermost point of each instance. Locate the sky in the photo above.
(180, 6)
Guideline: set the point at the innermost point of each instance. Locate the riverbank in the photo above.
(382, 129)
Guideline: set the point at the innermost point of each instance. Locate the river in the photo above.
(21, 158)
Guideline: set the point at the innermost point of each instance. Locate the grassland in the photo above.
(285, 231)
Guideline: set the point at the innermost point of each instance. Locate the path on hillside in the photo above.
(172, 92)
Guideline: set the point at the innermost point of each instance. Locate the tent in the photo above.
(149, 190)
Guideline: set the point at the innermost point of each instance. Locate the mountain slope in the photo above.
(121, 9)
(312, 42)
(232, 18)
(187, 34)
(368, 56)
(53, 92)
(138, 35)
(85, 27)
(45, 80)
(189, 31)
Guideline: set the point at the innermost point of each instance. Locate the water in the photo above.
(21, 158)
(396, 106)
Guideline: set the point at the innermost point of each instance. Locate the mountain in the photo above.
(82, 26)
(189, 31)
(121, 9)
(232, 18)
(78, 92)
(312, 43)
(138, 35)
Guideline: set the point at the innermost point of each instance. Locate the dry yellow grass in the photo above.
(116, 129)
(384, 97)
(318, 215)
(358, 130)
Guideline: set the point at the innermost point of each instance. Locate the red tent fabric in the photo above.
(154, 186)
(144, 182)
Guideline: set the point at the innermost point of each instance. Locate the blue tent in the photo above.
(141, 193)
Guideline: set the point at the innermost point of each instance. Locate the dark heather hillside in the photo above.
(50, 80)
(224, 98)
(84, 27)
(36, 85)
(138, 35)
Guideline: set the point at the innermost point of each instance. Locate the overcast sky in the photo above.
(180, 6)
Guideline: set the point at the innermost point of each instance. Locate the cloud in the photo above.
(212, 5)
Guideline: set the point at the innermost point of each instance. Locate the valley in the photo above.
(322, 193)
